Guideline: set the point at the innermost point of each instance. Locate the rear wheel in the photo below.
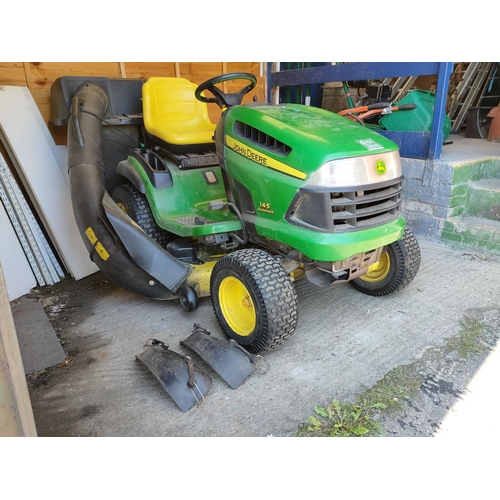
(398, 265)
(136, 206)
(253, 299)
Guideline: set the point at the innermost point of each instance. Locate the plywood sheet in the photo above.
(12, 73)
(146, 70)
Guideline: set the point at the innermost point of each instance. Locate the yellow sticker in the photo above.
(262, 159)
(102, 251)
(99, 248)
(91, 235)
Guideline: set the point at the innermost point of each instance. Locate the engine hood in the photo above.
(303, 137)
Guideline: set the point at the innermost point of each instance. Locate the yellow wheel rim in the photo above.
(237, 306)
(380, 272)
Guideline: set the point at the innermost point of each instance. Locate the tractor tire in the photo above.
(398, 266)
(254, 299)
(136, 206)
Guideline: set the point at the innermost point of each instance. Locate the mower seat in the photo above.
(173, 118)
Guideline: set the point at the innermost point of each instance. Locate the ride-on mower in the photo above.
(238, 211)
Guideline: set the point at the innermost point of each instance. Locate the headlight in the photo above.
(359, 171)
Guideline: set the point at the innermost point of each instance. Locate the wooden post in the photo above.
(29, 79)
(123, 73)
(224, 71)
(16, 413)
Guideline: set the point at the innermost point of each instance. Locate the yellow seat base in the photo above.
(173, 114)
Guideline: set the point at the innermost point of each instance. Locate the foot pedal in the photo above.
(184, 382)
(231, 361)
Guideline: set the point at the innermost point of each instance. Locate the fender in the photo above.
(130, 173)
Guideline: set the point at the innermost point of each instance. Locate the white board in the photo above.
(19, 277)
(37, 157)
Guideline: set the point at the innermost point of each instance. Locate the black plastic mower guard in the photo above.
(184, 382)
(119, 248)
(231, 361)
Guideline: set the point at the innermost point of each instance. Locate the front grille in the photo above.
(364, 209)
(345, 211)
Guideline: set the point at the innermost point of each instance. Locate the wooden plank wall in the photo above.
(39, 77)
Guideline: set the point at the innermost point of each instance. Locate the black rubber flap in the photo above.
(146, 253)
(184, 382)
(233, 363)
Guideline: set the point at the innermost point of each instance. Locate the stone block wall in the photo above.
(444, 201)
(427, 195)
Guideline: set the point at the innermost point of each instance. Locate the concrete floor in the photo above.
(462, 149)
(344, 341)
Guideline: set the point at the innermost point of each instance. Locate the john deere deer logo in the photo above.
(380, 167)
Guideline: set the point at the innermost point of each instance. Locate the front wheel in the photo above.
(253, 299)
(398, 265)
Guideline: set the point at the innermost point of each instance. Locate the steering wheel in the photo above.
(220, 98)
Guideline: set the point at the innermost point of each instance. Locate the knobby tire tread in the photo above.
(407, 252)
(277, 298)
(139, 210)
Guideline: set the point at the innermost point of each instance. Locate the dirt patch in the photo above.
(67, 304)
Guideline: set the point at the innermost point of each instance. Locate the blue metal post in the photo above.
(436, 142)
(269, 81)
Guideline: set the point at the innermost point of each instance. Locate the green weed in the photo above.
(341, 420)
(468, 341)
(392, 390)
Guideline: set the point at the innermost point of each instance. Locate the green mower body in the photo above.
(300, 176)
